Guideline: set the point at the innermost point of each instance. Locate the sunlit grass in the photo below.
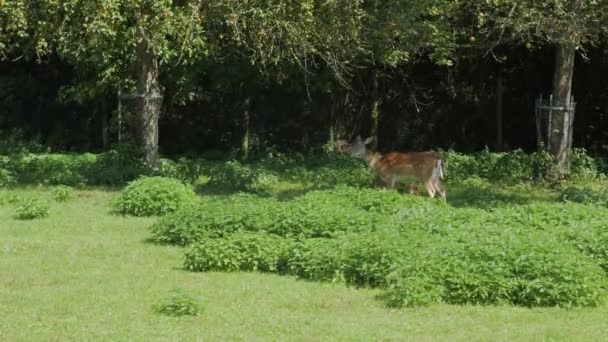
(84, 274)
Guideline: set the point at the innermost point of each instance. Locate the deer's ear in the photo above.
(368, 140)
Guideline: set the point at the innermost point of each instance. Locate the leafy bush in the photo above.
(184, 169)
(210, 219)
(584, 167)
(381, 201)
(14, 142)
(50, 168)
(178, 304)
(115, 167)
(236, 176)
(585, 195)
(590, 239)
(498, 266)
(6, 178)
(247, 213)
(153, 196)
(31, 208)
(507, 167)
(62, 193)
(237, 252)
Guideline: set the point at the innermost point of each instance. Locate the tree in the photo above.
(566, 25)
(394, 33)
(136, 42)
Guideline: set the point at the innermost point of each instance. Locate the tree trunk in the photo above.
(331, 125)
(105, 126)
(562, 89)
(374, 108)
(149, 104)
(245, 124)
(560, 119)
(499, 110)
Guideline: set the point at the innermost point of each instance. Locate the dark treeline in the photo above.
(303, 74)
(421, 105)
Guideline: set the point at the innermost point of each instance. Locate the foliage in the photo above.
(517, 167)
(418, 251)
(148, 196)
(62, 193)
(237, 252)
(178, 304)
(31, 208)
(236, 176)
(115, 167)
(6, 178)
(314, 215)
(209, 219)
(585, 195)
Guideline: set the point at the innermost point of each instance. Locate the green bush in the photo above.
(115, 167)
(210, 219)
(591, 239)
(62, 193)
(506, 167)
(6, 178)
(278, 218)
(237, 176)
(31, 208)
(242, 251)
(178, 304)
(361, 259)
(498, 265)
(184, 169)
(148, 196)
(380, 201)
(584, 167)
(584, 195)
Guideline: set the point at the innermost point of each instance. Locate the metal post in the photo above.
(119, 113)
(549, 122)
(538, 112)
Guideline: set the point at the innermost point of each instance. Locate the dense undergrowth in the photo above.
(487, 246)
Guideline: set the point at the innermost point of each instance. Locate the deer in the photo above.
(398, 167)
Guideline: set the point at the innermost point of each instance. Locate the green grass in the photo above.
(84, 274)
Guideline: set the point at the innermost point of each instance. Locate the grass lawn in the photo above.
(84, 274)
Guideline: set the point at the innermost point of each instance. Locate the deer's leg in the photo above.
(440, 188)
(392, 183)
(429, 188)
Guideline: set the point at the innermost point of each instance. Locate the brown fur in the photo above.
(412, 167)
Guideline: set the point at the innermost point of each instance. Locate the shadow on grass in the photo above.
(487, 197)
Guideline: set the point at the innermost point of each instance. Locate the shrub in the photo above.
(507, 167)
(153, 196)
(62, 193)
(50, 168)
(184, 169)
(236, 176)
(178, 304)
(361, 259)
(380, 201)
(497, 266)
(591, 239)
(583, 166)
(584, 195)
(31, 208)
(314, 216)
(116, 167)
(242, 251)
(211, 219)
(6, 178)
